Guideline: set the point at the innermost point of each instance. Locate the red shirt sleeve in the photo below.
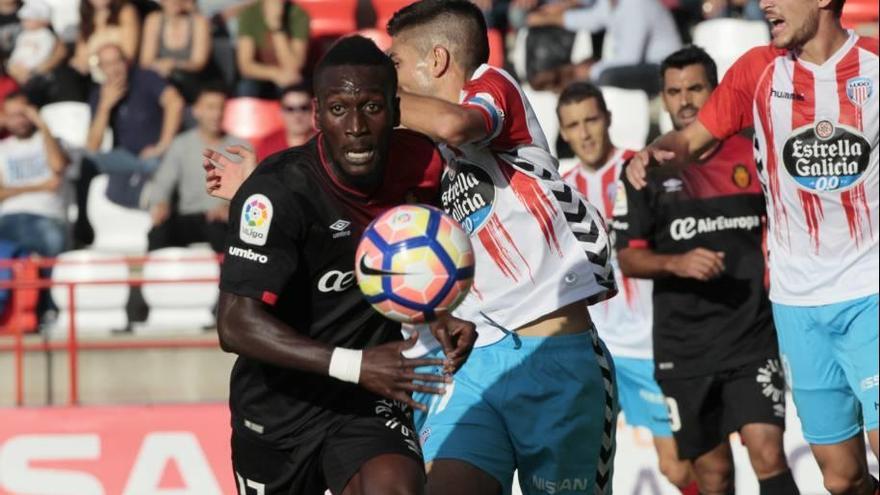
(729, 109)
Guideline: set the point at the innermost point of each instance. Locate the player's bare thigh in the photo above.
(388, 474)
(447, 476)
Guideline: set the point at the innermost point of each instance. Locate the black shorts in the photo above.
(704, 410)
(327, 458)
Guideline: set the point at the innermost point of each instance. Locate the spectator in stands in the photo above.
(105, 22)
(32, 165)
(177, 45)
(642, 32)
(37, 61)
(144, 113)
(182, 213)
(272, 46)
(10, 26)
(298, 115)
(7, 86)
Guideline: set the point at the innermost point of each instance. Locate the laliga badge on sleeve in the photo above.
(620, 205)
(256, 217)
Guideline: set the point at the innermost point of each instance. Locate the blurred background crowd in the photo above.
(107, 104)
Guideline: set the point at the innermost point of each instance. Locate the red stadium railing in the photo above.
(13, 330)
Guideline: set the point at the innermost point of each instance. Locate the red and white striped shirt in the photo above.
(816, 137)
(538, 244)
(624, 322)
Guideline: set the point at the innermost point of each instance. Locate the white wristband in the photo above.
(345, 364)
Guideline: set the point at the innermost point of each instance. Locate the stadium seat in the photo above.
(100, 309)
(496, 48)
(859, 12)
(252, 118)
(330, 18)
(182, 306)
(117, 229)
(544, 105)
(726, 39)
(630, 119)
(581, 50)
(69, 121)
(386, 8)
(379, 37)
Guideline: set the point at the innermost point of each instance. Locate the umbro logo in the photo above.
(672, 185)
(785, 95)
(341, 228)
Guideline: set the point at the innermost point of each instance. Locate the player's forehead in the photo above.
(685, 77)
(353, 81)
(587, 108)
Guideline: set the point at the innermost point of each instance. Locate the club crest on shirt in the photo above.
(256, 217)
(859, 90)
(741, 176)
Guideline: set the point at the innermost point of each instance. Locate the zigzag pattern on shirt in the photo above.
(583, 219)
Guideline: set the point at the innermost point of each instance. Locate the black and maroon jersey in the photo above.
(293, 232)
(704, 327)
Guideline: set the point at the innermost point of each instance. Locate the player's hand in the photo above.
(701, 264)
(223, 176)
(386, 372)
(637, 168)
(457, 338)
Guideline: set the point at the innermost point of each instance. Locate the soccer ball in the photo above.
(414, 263)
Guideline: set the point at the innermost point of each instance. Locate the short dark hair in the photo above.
(300, 87)
(459, 21)
(838, 7)
(212, 87)
(356, 50)
(579, 91)
(690, 55)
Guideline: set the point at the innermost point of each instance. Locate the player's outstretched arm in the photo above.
(700, 264)
(246, 328)
(443, 121)
(223, 176)
(675, 148)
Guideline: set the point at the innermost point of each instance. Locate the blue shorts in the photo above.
(831, 358)
(640, 397)
(544, 406)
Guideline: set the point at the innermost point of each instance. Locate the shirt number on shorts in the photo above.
(674, 418)
(244, 484)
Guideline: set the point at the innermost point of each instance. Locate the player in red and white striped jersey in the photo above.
(539, 394)
(812, 99)
(624, 322)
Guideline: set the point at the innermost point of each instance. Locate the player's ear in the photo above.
(441, 60)
(825, 4)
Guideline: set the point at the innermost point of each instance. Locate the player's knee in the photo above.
(677, 472)
(768, 458)
(715, 476)
(381, 477)
(838, 484)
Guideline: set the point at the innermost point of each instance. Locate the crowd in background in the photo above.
(157, 76)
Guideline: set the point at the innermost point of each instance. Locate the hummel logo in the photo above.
(366, 270)
(341, 228)
(785, 95)
(672, 185)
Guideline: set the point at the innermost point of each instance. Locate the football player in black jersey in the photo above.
(698, 233)
(320, 393)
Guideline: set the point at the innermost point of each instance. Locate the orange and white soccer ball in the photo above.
(414, 263)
